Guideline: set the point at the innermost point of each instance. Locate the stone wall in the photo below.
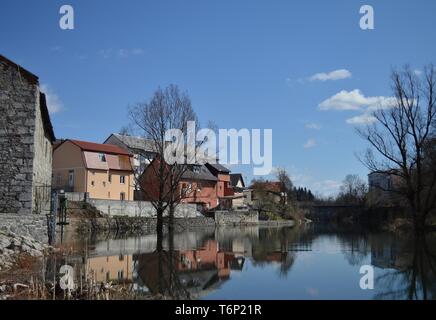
(42, 165)
(236, 217)
(134, 225)
(18, 98)
(33, 225)
(139, 208)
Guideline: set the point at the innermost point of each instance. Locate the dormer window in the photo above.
(196, 169)
(102, 157)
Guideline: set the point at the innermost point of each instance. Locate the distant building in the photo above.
(26, 137)
(238, 185)
(237, 181)
(266, 192)
(143, 150)
(103, 171)
(384, 187)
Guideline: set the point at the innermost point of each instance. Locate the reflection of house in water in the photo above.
(112, 268)
(193, 270)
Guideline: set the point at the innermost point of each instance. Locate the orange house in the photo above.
(103, 171)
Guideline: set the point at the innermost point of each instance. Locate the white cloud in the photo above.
(355, 100)
(309, 144)
(303, 178)
(362, 119)
(327, 187)
(124, 53)
(54, 104)
(313, 126)
(120, 53)
(333, 75)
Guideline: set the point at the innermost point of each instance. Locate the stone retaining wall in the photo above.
(134, 224)
(33, 225)
(236, 217)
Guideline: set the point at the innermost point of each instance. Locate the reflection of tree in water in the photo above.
(274, 245)
(185, 273)
(413, 274)
(355, 248)
(158, 270)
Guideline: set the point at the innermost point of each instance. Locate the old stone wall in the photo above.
(135, 225)
(139, 208)
(42, 166)
(18, 98)
(31, 225)
(236, 217)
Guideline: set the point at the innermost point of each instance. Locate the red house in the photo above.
(197, 185)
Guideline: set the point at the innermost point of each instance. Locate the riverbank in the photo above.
(21, 261)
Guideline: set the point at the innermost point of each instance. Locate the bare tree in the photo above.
(353, 190)
(286, 184)
(400, 136)
(167, 109)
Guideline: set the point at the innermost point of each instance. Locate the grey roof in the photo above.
(203, 174)
(137, 143)
(218, 167)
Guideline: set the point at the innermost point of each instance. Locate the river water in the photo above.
(309, 262)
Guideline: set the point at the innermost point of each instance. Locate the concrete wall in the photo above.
(33, 225)
(69, 157)
(236, 217)
(139, 208)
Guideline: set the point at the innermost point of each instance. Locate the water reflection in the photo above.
(263, 263)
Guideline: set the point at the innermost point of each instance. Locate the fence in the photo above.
(41, 199)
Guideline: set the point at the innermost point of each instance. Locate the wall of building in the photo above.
(42, 166)
(236, 217)
(68, 157)
(202, 192)
(18, 100)
(139, 208)
(111, 190)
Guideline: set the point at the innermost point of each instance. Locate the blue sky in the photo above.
(245, 64)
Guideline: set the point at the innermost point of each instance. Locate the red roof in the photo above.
(271, 186)
(98, 147)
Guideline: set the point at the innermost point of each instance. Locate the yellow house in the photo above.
(103, 171)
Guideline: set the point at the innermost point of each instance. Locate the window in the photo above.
(122, 196)
(109, 178)
(92, 183)
(122, 179)
(196, 169)
(199, 186)
(102, 157)
(71, 178)
(120, 275)
(109, 194)
(104, 183)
